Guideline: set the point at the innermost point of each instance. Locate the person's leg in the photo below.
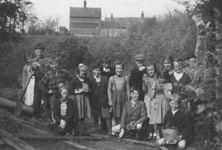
(117, 120)
(81, 126)
(96, 123)
(108, 124)
(52, 103)
(46, 104)
(154, 131)
(158, 131)
(37, 103)
(103, 125)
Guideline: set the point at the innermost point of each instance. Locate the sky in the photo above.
(119, 8)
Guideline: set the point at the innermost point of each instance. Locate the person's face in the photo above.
(139, 63)
(119, 70)
(166, 65)
(64, 94)
(29, 59)
(82, 74)
(38, 52)
(174, 105)
(105, 65)
(96, 72)
(177, 67)
(192, 62)
(150, 70)
(54, 65)
(134, 95)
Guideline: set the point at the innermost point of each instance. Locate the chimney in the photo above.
(84, 3)
(142, 15)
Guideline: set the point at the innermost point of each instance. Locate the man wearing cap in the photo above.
(136, 74)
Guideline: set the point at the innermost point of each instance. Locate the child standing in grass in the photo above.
(118, 92)
(99, 98)
(149, 85)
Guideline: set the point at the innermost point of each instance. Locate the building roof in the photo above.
(85, 12)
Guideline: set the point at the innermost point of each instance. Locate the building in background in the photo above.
(114, 26)
(85, 21)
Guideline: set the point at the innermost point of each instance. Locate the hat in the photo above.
(139, 57)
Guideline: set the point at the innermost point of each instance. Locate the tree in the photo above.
(12, 17)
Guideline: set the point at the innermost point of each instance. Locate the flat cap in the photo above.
(139, 57)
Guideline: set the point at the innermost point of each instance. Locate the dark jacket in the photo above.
(178, 85)
(179, 120)
(98, 93)
(136, 78)
(133, 114)
(76, 84)
(69, 113)
(109, 73)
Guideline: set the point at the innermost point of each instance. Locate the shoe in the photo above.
(149, 138)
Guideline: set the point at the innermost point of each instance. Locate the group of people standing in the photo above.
(147, 99)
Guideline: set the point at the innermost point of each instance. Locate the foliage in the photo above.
(73, 51)
(46, 27)
(208, 122)
(12, 17)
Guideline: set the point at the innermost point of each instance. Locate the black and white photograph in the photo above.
(111, 75)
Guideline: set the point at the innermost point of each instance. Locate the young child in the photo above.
(159, 104)
(99, 98)
(63, 112)
(149, 83)
(118, 92)
(136, 74)
(133, 116)
(80, 87)
(176, 119)
(167, 64)
(51, 81)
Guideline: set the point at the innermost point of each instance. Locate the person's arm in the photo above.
(56, 112)
(168, 87)
(127, 88)
(143, 114)
(152, 88)
(24, 77)
(43, 84)
(144, 86)
(109, 91)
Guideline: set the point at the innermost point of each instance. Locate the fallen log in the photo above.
(146, 143)
(14, 142)
(78, 146)
(5, 103)
(57, 138)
